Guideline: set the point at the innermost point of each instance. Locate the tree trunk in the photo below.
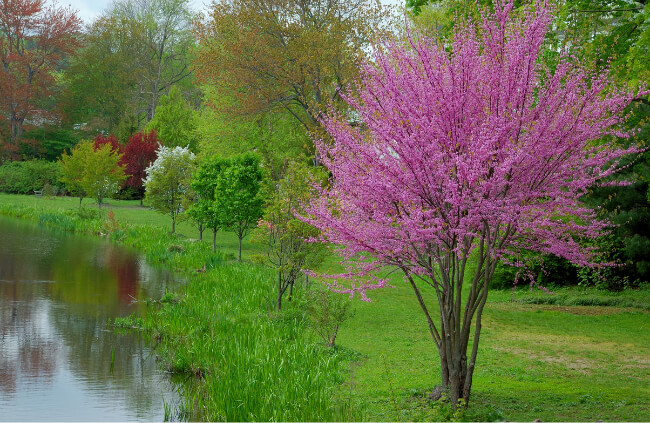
(16, 129)
(280, 291)
(214, 240)
(332, 339)
(173, 223)
(452, 340)
(240, 238)
(200, 231)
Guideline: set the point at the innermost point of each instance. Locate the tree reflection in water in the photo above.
(57, 293)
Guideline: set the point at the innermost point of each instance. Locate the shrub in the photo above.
(27, 176)
(547, 270)
(327, 311)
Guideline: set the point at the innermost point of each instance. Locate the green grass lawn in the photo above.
(552, 362)
(571, 355)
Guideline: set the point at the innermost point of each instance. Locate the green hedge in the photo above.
(27, 176)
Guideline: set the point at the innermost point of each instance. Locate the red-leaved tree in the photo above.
(111, 139)
(139, 153)
(34, 41)
(469, 150)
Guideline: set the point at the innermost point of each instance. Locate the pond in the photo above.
(60, 360)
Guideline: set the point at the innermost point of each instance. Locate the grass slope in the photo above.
(573, 355)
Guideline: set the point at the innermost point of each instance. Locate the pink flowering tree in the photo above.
(467, 151)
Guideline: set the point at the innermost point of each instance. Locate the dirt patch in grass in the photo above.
(577, 310)
(577, 364)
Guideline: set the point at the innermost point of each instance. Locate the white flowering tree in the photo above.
(168, 180)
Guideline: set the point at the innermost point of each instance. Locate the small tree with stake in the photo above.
(470, 150)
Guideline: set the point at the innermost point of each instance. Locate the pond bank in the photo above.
(243, 360)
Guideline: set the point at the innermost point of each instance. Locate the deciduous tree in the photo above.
(34, 41)
(165, 41)
(175, 122)
(139, 154)
(204, 184)
(288, 54)
(238, 203)
(102, 140)
(285, 235)
(471, 149)
(134, 53)
(72, 168)
(168, 179)
(95, 172)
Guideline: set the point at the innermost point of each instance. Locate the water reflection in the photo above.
(58, 360)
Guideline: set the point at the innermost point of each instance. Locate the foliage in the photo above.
(139, 153)
(204, 184)
(168, 179)
(470, 146)
(34, 42)
(238, 201)
(275, 135)
(135, 51)
(73, 167)
(174, 121)
(53, 140)
(28, 176)
(287, 236)
(541, 270)
(327, 311)
(101, 140)
(95, 172)
(100, 83)
(291, 55)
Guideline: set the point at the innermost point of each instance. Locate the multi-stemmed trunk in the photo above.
(457, 317)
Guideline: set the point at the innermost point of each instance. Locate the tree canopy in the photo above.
(34, 42)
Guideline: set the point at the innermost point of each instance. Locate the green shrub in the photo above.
(29, 176)
(327, 311)
(550, 271)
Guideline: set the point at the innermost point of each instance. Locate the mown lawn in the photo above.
(542, 356)
(536, 361)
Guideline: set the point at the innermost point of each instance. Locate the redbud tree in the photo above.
(465, 151)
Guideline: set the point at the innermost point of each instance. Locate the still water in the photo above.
(57, 292)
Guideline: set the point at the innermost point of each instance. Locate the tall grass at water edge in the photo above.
(250, 362)
(241, 360)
